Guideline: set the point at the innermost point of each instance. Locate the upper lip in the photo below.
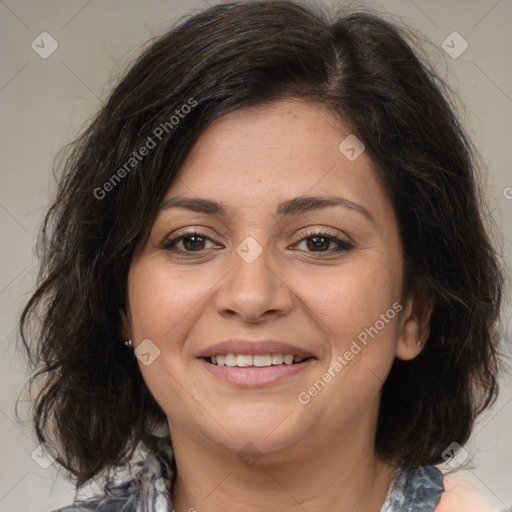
(254, 347)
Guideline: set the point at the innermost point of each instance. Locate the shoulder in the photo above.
(461, 495)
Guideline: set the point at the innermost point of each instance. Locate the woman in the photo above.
(269, 243)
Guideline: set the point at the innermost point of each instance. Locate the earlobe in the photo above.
(410, 335)
(415, 324)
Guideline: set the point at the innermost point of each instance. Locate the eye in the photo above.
(192, 241)
(319, 241)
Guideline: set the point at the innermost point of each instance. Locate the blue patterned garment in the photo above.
(412, 489)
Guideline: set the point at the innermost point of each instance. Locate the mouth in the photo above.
(251, 376)
(255, 361)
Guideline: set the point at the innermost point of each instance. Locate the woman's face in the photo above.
(283, 276)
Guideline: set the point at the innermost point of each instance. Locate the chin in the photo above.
(268, 429)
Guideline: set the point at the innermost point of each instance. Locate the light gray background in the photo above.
(45, 102)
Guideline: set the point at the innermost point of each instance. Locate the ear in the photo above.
(415, 322)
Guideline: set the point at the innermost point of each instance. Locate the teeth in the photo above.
(288, 359)
(243, 360)
(260, 361)
(230, 360)
(277, 358)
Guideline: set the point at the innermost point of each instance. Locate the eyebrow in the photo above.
(295, 206)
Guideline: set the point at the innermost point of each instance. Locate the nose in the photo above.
(253, 288)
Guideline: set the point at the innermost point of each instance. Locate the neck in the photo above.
(341, 476)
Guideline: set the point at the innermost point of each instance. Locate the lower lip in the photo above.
(254, 376)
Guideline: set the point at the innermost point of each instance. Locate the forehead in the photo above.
(258, 155)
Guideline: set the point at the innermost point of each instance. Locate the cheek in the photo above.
(358, 309)
(353, 297)
(164, 305)
(163, 302)
(355, 305)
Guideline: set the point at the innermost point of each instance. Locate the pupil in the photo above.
(197, 239)
(320, 245)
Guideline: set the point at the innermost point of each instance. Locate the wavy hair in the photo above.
(93, 404)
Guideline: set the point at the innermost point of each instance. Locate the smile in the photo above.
(253, 371)
(259, 361)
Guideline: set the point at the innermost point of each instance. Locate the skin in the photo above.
(318, 456)
(462, 496)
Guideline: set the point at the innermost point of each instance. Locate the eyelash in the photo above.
(170, 244)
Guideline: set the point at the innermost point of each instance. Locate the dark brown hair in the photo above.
(94, 406)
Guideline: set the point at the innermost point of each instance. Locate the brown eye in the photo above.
(320, 243)
(191, 241)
